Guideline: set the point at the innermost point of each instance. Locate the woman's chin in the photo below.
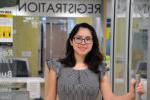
(82, 53)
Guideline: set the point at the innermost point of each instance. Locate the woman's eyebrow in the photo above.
(84, 36)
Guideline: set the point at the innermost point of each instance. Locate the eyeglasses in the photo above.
(79, 40)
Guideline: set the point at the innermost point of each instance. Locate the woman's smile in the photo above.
(82, 49)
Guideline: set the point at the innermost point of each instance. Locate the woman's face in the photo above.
(82, 42)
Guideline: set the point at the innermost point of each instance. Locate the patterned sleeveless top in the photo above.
(75, 84)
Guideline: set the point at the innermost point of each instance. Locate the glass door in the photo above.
(130, 53)
(140, 22)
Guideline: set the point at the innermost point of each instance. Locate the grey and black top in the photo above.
(75, 84)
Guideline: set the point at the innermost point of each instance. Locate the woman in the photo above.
(81, 74)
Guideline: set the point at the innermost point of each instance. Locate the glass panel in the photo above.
(31, 36)
(22, 55)
(26, 39)
(121, 40)
(140, 31)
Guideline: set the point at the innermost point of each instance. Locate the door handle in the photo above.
(138, 79)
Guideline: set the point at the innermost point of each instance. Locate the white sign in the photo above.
(59, 8)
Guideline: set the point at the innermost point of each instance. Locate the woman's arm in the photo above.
(107, 92)
(51, 84)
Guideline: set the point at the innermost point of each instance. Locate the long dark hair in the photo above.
(93, 59)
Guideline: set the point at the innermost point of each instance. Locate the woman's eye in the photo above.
(88, 39)
(78, 38)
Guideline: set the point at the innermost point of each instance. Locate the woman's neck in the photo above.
(80, 61)
(79, 58)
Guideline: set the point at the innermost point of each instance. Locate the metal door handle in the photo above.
(138, 79)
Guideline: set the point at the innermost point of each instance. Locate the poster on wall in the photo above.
(6, 28)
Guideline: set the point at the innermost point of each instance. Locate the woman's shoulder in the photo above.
(103, 68)
(54, 64)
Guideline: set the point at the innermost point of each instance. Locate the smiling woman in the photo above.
(77, 74)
